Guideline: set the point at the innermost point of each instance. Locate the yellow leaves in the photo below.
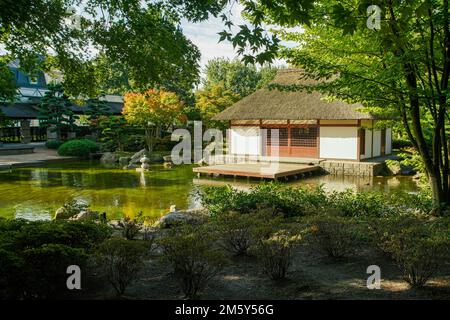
(151, 108)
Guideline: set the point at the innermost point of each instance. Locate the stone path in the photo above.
(41, 155)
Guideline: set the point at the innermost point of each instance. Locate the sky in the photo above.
(205, 36)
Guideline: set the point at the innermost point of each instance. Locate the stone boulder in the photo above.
(62, 213)
(85, 215)
(109, 158)
(393, 167)
(173, 219)
(137, 156)
(407, 170)
(176, 218)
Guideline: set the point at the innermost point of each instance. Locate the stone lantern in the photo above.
(144, 163)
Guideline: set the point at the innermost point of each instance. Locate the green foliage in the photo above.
(53, 144)
(34, 256)
(49, 264)
(401, 143)
(153, 110)
(236, 77)
(235, 231)
(361, 204)
(281, 199)
(130, 228)
(121, 261)
(140, 45)
(7, 85)
(419, 247)
(55, 112)
(114, 132)
(274, 248)
(194, 257)
(78, 148)
(213, 100)
(337, 236)
(97, 108)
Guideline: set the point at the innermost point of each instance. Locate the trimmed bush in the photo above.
(53, 144)
(121, 261)
(194, 258)
(361, 204)
(235, 231)
(337, 236)
(78, 148)
(277, 197)
(275, 252)
(34, 256)
(130, 228)
(419, 247)
(401, 143)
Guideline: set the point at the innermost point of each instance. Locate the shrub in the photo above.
(235, 231)
(194, 258)
(34, 256)
(121, 261)
(418, 247)
(47, 276)
(53, 144)
(130, 228)
(337, 236)
(280, 198)
(275, 252)
(361, 204)
(401, 143)
(78, 148)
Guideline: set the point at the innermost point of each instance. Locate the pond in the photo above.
(36, 192)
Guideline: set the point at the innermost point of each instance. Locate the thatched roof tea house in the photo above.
(308, 125)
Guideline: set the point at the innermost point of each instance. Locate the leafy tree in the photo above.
(152, 110)
(403, 70)
(55, 112)
(236, 76)
(140, 42)
(114, 131)
(7, 84)
(97, 108)
(213, 100)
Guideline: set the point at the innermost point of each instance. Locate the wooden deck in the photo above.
(258, 170)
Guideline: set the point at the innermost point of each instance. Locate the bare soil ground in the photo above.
(312, 276)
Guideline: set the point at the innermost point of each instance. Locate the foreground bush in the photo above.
(121, 260)
(130, 228)
(34, 256)
(78, 148)
(194, 257)
(336, 236)
(235, 231)
(279, 198)
(420, 248)
(274, 249)
(295, 201)
(53, 144)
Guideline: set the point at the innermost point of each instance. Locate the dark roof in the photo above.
(290, 105)
(22, 110)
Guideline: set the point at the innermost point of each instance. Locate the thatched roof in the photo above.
(290, 105)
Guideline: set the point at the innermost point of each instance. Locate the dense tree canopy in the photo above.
(212, 101)
(236, 76)
(139, 41)
(152, 110)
